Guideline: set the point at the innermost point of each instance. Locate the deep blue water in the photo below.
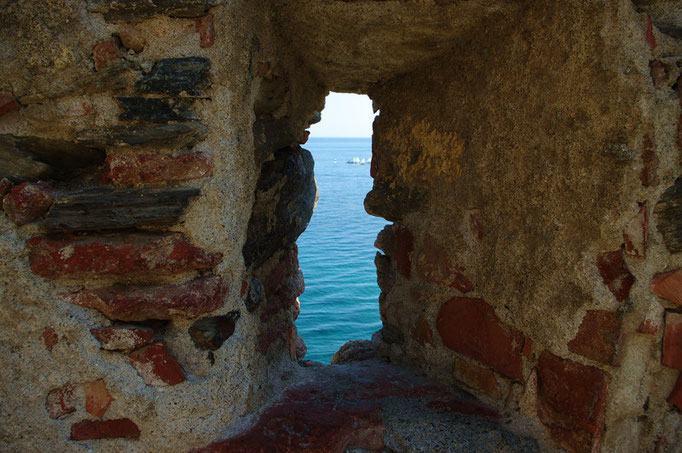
(336, 252)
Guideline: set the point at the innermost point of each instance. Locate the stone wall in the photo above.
(154, 187)
(530, 176)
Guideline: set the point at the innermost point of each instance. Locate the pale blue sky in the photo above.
(345, 115)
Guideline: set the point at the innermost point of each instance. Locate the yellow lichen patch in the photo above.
(424, 154)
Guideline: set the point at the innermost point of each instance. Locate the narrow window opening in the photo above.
(336, 252)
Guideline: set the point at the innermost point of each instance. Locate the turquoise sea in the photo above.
(336, 252)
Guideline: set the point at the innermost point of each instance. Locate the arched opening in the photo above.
(336, 251)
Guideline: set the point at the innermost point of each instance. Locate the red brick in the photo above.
(7, 103)
(422, 332)
(471, 327)
(61, 401)
(571, 402)
(155, 168)
(97, 397)
(293, 287)
(49, 338)
(122, 338)
(104, 429)
(128, 255)
(245, 286)
(104, 53)
(636, 235)
(156, 365)
(132, 38)
(434, 266)
(206, 30)
(527, 347)
(668, 286)
(649, 33)
(648, 327)
(199, 296)
(598, 337)
(672, 340)
(404, 247)
(615, 274)
(476, 377)
(27, 202)
(285, 268)
(675, 397)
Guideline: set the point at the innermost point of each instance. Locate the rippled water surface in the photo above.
(336, 252)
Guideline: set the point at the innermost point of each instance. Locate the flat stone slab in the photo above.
(374, 406)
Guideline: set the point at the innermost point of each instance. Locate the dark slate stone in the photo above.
(137, 10)
(107, 209)
(392, 335)
(34, 158)
(255, 295)
(668, 213)
(209, 334)
(174, 135)
(156, 110)
(393, 202)
(173, 76)
(270, 134)
(287, 182)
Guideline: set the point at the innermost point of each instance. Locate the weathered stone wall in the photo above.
(132, 141)
(525, 173)
(154, 187)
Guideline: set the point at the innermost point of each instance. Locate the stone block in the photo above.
(139, 303)
(476, 377)
(35, 158)
(668, 212)
(132, 38)
(97, 397)
(7, 103)
(174, 135)
(49, 338)
(471, 327)
(27, 202)
(206, 30)
(122, 338)
(105, 429)
(120, 209)
(672, 340)
(615, 274)
(156, 110)
(174, 76)
(134, 11)
(61, 401)
(301, 348)
(105, 53)
(209, 334)
(255, 294)
(598, 337)
(136, 169)
(125, 255)
(285, 197)
(571, 402)
(156, 366)
(668, 286)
